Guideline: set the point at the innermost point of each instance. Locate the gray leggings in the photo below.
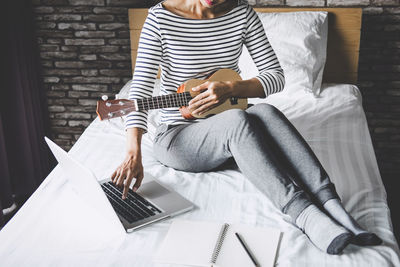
(267, 148)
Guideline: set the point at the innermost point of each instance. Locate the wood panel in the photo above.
(137, 16)
(343, 39)
(135, 34)
(341, 60)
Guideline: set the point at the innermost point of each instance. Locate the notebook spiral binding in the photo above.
(219, 243)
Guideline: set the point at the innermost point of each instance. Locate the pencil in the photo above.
(247, 250)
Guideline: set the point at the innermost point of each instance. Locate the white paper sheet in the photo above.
(189, 242)
(193, 243)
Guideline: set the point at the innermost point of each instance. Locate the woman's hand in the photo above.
(216, 93)
(130, 168)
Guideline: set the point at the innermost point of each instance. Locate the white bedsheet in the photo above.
(52, 229)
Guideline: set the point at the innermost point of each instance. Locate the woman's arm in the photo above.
(271, 74)
(146, 69)
(132, 166)
(269, 81)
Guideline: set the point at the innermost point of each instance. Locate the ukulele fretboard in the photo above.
(164, 101)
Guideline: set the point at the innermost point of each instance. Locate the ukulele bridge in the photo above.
(234, 100)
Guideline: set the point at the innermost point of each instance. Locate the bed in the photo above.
(53, 228)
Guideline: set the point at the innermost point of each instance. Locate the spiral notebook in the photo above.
(215, 244)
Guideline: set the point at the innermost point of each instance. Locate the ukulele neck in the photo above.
(108, 109)
(164, 101)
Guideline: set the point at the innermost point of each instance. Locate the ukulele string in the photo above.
(180, 99)
(164, 101)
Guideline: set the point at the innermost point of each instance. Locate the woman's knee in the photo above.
(169, 158)
(265, 110)
(268, 108)
(236, 119)
(235, 113)
(183, 161)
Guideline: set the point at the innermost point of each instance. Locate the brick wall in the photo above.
(85, 53)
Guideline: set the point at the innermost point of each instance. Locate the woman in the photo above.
(191, 39)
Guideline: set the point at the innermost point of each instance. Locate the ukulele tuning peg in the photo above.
(117, 96)
(104, 97)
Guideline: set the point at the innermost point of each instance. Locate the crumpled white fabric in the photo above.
(334, 124)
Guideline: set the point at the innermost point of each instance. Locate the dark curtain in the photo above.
(24, 157)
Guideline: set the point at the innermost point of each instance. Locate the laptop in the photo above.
(151, 203)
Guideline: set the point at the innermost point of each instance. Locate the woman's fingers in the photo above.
(201, 86)
(195, 101)
(198, 100)
(208, 104)
(127, 183)
(198, 103)
(113, 176)
(120, 178)
(124, 174)
(124, 179)
(138, 182)
(216, 93)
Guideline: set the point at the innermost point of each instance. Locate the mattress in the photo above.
(54, 229)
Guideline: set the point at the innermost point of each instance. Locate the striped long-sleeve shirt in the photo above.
(187, 49)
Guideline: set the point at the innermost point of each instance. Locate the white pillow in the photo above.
(299, 40)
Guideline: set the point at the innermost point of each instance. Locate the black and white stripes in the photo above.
(190, 48)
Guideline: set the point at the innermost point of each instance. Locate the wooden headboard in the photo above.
(343, 39)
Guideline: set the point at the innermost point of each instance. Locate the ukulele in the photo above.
(110, 109)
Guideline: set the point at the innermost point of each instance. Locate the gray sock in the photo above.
(335, 208)
(362, 237)
(323, 232)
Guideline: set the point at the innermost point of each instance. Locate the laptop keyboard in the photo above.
(134, 208)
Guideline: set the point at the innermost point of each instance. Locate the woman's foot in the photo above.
(323, 232)
(366, 239)
(361, 237)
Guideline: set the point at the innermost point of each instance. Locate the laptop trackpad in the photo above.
(152, 190)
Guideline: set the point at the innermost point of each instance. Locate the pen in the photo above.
(247, 250)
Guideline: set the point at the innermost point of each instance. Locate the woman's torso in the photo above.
(194, 48)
